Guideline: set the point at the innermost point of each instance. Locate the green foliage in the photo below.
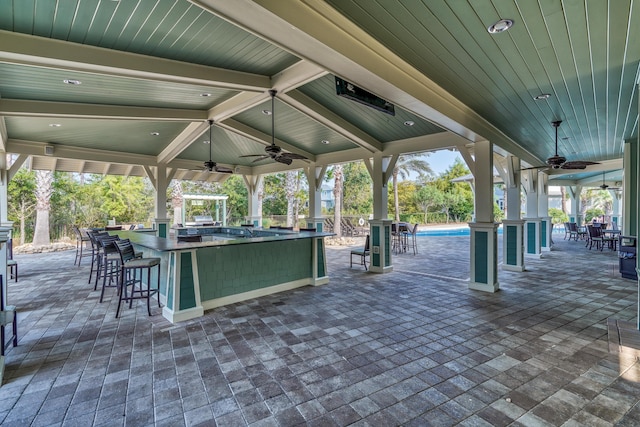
(357, 189)
(428, 196)
(557, 216)
(275, 198)
(237, 202)
(498, 214)
(592, 213)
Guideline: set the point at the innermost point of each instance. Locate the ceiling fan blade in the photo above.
(261, 158)
(577, 164)
(282, 159)
(254, 155)
(535, 167)
(293, 156)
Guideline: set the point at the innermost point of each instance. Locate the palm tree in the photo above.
(44, 189)
(176, 201)
(407, 163)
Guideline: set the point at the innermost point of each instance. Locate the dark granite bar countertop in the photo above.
(162, 244)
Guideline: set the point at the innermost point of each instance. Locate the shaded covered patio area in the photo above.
(412, 347)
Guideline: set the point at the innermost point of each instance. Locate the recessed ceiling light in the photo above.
(55, 125)
(72, 82)
(155, 133)
(325, 141)
(205, 94)
(266, 112)
(541, 96)
(500, 26)
(207, 142)
(409, 123)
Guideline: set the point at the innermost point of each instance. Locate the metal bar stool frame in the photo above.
(130, 266)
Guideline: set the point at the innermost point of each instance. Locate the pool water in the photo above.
(463, 231)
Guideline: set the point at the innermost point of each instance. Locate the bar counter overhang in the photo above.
(199, 276)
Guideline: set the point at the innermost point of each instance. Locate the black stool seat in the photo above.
(132, 275)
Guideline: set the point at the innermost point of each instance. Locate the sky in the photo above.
(441, 160)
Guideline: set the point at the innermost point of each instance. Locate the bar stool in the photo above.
(109, 264)
(82, 240)
(132, 271)
(96, 253)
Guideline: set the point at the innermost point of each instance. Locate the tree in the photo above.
(337, 193)
(357, 192)
(43, 191)
(22, 200)
(428, 196)
(290, 193)
(176, 201)
(407, 163)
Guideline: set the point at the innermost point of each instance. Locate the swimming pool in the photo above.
(463, 231)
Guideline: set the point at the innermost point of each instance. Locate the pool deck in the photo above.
(414, 347)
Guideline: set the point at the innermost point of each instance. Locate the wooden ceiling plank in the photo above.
(319, 113)
(260, 137)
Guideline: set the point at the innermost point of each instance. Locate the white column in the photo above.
(254, 184)
(630, 188)
(575, 192)
(160, 182)
(484, 237)
(512, 226)
(315, 178)
(380, 226)
(532, 220)
(546, 227)
(616, 196)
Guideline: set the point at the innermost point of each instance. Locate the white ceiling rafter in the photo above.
(26, 108)
(38, 51)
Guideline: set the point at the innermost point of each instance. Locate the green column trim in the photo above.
(187, 295)
(512, 244)
(481, 259)
(531, 238)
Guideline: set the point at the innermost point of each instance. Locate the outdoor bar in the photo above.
(229, 265)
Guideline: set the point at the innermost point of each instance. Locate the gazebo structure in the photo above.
(543, 91)
(220, 202)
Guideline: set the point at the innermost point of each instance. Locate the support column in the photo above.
(616, 196)
(546, 227)
(484, 236)
(630, 187)
(160, 182)
(254, 184)
(512, 226)
(380, 226)
(532, 247)
(575, 192)
(315, 178)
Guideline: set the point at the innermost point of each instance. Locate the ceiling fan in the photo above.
(560, 162)
(604, 186)
(210, 165)
(273, 151)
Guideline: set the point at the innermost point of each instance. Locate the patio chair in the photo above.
(132, 276)
(362, 253)
(595, 236)
(12, 264)
(568, 231)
